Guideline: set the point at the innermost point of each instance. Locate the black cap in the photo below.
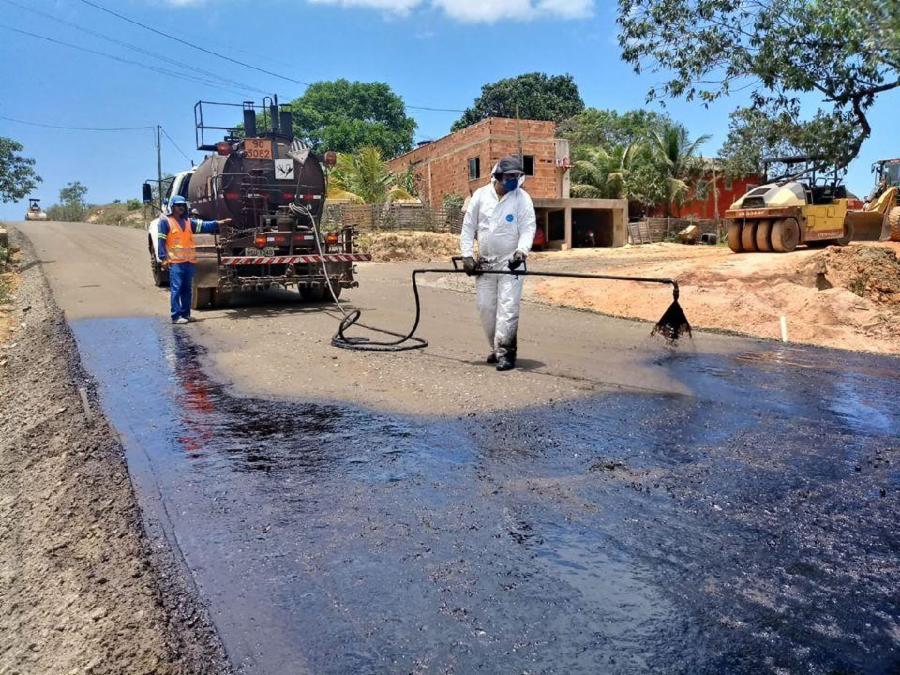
(509, 164)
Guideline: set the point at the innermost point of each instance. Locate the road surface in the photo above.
(615, 506)
(281, 346)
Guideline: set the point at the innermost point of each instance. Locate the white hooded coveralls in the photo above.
(502, 226)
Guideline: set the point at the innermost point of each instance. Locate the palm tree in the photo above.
(363, 175)
(677, 154)
(601, 174)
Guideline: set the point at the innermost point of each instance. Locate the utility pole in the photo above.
(715, 196)
(158, 169)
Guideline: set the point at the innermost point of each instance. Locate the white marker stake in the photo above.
(784, 337)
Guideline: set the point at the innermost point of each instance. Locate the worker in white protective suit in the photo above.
(501, 217)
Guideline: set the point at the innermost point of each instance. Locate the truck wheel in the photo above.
(785, 235)
(893, 224)
(848, 234)
(160, 276)
(201, 298)
(312, 293)
(734, 236)
(748, 235)
(220, 298)
(764, 236)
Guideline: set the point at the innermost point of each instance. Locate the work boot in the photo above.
(492, 358)
(505, 363)
(181, 320)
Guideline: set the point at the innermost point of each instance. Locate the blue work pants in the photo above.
(181, 277)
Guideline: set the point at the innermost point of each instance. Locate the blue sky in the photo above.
(434, 53)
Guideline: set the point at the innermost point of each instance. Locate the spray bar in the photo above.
(671, 326)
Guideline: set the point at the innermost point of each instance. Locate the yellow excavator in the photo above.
(801, 206)
(879, 217)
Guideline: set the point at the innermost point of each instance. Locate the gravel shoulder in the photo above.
(82, 589)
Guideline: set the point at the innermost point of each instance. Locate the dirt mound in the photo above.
(406, 246)
(868, 271)
(842, 297)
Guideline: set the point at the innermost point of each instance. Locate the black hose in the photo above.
(400, 344)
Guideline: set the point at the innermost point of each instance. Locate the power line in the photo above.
(66, 128)
(197, 47)
(133, 47)
(202, 49)
(172, 141)
(157, 69)
(419, 107)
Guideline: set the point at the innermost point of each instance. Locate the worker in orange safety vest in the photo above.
(178, 253)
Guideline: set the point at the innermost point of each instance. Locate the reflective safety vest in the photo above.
(180, 242)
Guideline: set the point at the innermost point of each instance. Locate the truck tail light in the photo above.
(331, 238)
(260, 241)
(223, 148)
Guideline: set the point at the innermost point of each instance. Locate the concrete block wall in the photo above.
(443, 166)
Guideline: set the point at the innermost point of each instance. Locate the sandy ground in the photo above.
(81, 588)
(847, 298)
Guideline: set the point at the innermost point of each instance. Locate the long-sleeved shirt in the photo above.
(197, 227)
(502, 225)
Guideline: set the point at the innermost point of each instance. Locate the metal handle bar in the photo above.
(409, 341)
(563, 275)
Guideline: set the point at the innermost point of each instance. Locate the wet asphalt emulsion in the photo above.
(750, 527)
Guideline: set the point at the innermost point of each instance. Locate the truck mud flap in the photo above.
(206, 273)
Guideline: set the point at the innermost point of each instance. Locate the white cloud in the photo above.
(566, 9)
(388, 6)
(477, 11)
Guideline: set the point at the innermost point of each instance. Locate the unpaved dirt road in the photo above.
(613, 507)
(841, 297)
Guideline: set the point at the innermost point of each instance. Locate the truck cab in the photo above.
(178, 185)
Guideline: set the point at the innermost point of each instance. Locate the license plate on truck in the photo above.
(268, 252)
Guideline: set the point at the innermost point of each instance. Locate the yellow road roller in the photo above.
(799, 207)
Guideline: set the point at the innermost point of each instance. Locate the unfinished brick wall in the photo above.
(442, 166)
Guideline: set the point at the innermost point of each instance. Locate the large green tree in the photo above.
(344, 116)
(786, 53)
(17, 175)
(610, 128)
(535, 96)
(753, 135)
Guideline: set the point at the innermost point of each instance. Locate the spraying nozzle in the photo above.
(673, 324)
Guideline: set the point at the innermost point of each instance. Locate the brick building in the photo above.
(728, 190)
(460, 163)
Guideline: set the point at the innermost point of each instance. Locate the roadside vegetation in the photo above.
(7, 289)
(17, 175)
(71, 206)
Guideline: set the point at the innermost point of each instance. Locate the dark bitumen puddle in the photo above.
(751, 527)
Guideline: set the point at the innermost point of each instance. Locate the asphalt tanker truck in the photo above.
(273, 189)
